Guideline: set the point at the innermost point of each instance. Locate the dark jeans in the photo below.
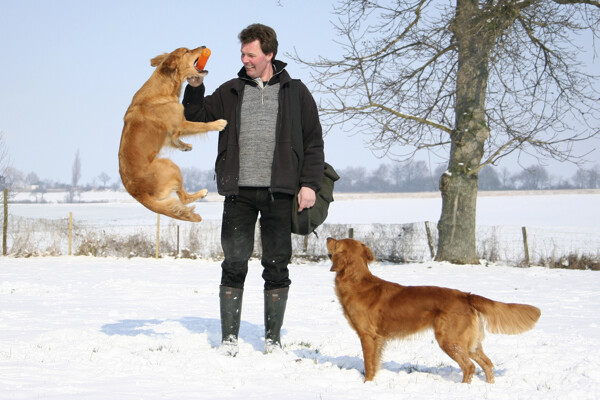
(237, 236)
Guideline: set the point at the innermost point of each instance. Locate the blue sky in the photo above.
(71, 67)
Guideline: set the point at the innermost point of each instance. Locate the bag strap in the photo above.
(297, 122)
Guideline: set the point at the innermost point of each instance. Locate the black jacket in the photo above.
(225, 103)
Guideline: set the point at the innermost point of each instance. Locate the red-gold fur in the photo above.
(153, 120)
(379, 310)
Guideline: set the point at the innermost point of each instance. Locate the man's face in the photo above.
(257, 63)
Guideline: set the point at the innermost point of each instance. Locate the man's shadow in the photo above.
(249, 333)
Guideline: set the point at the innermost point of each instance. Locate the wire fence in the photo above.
(397, 243)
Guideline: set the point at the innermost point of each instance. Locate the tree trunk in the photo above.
(456, 227)
(458, 186)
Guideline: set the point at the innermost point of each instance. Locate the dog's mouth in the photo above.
(196, 64)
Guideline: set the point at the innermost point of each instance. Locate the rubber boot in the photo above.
(275, 302)
(231, 312)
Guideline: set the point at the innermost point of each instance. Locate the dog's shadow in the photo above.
(249, 333)
(446, 372)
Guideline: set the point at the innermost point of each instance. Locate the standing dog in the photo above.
(153, 120)
(379, 310)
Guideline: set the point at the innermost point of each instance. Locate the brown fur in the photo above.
(379, 310)
(153, 120)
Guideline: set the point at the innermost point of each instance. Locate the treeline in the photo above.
(397, 177)
(417, 177)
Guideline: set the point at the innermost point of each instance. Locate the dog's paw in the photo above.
(220, 124)
(183, 146)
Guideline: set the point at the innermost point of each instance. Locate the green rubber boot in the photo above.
(231, 312)
(275, 303)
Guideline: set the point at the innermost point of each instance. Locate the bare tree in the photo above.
(471, 81)
(416, 176)
(13, 177)
(488, 179)
(32, 179)
(506, 179)
(76, 170)
(587, 178)
(4, 182)
(75, 176)
(351, 179)
(534, 177)
(104, 178)
(593, 176)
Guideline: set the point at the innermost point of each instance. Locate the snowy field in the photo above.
(120, 329)
(539, 208)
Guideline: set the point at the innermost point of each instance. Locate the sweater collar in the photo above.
(278, 69)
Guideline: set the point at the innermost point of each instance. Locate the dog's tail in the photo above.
(503, 317)
(171, 207)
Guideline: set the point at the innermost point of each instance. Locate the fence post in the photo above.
(524, 230)
(429, 239)
(5, 225)
(351, 233)
(177, 254)
(70, 230)
(157, 233)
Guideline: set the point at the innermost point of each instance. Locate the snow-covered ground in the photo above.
(525, 208)
(120, 329)
(93, 328)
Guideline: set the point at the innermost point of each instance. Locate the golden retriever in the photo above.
(153, 120)
(379, 310)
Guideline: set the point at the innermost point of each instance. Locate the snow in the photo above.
(98, 328)
(538, 208)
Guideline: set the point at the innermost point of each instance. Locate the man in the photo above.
(257, 172)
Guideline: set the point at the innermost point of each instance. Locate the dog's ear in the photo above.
(168, 66)
(338, 258)
(338, 262)
(368, 253)
(155, 62)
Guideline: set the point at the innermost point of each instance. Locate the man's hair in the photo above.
(264, 34)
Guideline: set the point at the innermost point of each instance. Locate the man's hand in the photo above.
(195, 81)
(306, 198)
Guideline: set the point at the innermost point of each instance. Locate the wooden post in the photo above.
(70, 231)
(429, 239)
(157, 233)
(351, 233)
(177, 254)
(5, 225)
(524, 230)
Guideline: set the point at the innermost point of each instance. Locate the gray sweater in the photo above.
(257, 134)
